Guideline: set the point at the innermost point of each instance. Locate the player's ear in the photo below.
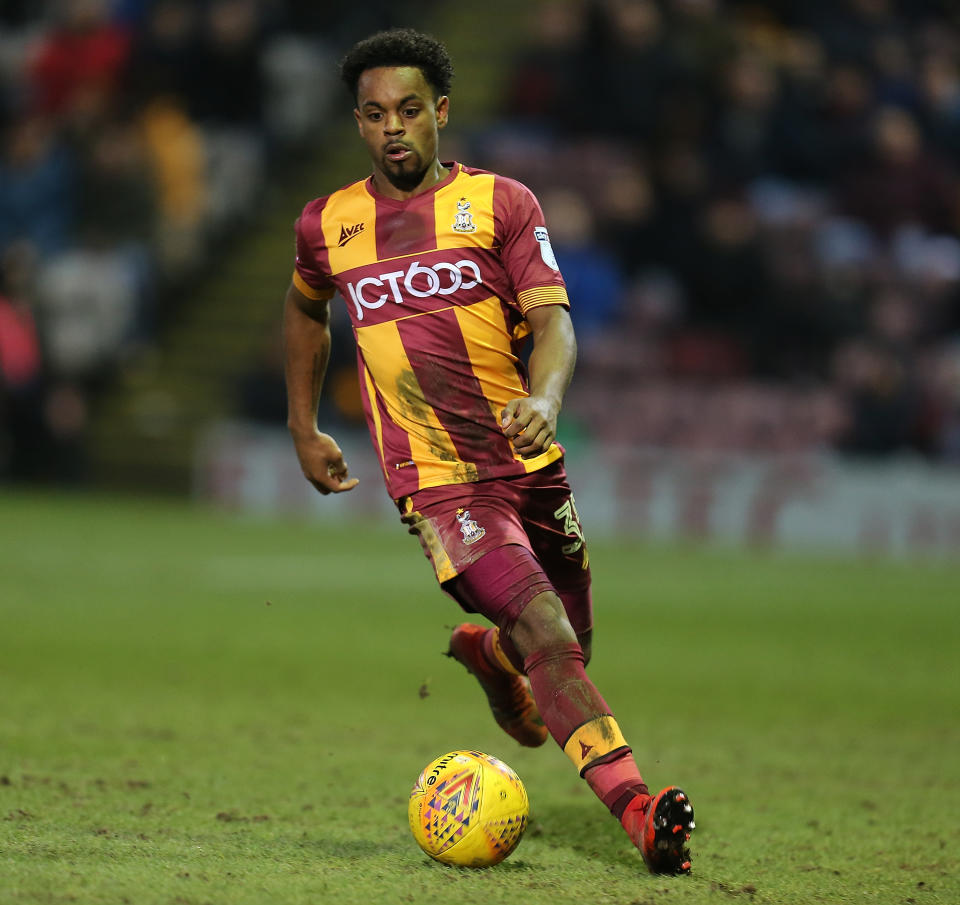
(356, 116)
(443, 111)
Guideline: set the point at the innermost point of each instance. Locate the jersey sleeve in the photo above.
(525, 247)
(310, 275)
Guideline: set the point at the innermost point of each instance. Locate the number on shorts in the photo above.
(567, 513)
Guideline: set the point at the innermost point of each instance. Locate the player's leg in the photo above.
(481, 554)
(460, 528)
(505, 577)
(659, 826)
(572, 708)
(582, 724)
(551, 522)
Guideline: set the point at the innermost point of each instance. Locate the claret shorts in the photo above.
(459, 524)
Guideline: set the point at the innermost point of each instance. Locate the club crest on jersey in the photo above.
(470, 530)
(463, 222)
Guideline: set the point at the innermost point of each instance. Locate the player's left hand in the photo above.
(530, 423)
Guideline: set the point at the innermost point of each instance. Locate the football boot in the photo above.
(508, 695)
(660, 827)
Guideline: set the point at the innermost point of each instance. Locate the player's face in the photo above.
(399, 120)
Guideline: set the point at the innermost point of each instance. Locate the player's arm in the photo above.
(531, 422)
(306, 336)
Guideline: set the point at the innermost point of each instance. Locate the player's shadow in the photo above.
(587, 832)
(513, 865)
(349, 849)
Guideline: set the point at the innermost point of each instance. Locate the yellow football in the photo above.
(468, 808)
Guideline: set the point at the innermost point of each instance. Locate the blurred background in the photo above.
(755, 205)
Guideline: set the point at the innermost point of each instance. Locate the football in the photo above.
(469, 809)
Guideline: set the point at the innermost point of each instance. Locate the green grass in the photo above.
(199, 708)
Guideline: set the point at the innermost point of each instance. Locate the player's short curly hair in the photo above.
(399, 47)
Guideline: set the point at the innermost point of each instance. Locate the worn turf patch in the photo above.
(198, 708)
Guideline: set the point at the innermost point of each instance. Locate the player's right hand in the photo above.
(321, 461)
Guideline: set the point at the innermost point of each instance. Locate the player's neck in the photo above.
(435, 173)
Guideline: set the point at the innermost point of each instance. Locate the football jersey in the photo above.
(436, 287)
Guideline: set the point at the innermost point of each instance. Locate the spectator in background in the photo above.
(227, 103)
(20, 13)
(881, 395)
(940, 100)
(742, 143)
(626, 210)
(628, 68)
(95, 295)
(37, 188)
(680, 181)
(22, 434)
(833, 128)
(942, 367)
(728, 290)
(900, 182)
(134, 139)
(131, 13)
(798, 140)
(591, 272)
(42, 418)
(164, 60)
(228, 55)
(895, 76)
(88, 299)
(547, 82)
(262, 390)
(802, 194)
(116, 194)
(844, 124)
(78, 70)
(175, 149)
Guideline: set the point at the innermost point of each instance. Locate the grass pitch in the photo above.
(197, 708)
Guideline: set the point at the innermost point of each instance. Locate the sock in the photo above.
(580, 722)
(616, 781)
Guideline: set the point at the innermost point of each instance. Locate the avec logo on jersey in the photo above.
(349, 232)
(418, 281)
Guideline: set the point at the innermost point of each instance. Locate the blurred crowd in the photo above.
(756, 205)
(756, 208)
(135, 137)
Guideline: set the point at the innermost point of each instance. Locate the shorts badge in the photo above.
(463, 222)
(470, 530)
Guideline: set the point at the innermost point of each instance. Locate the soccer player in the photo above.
(446, 271)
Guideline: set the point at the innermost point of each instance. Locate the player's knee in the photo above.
(542, 624)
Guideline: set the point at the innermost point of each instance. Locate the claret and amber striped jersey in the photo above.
(437, 287)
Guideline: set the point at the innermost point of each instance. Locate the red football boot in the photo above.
(508, 695)
(660, 826)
